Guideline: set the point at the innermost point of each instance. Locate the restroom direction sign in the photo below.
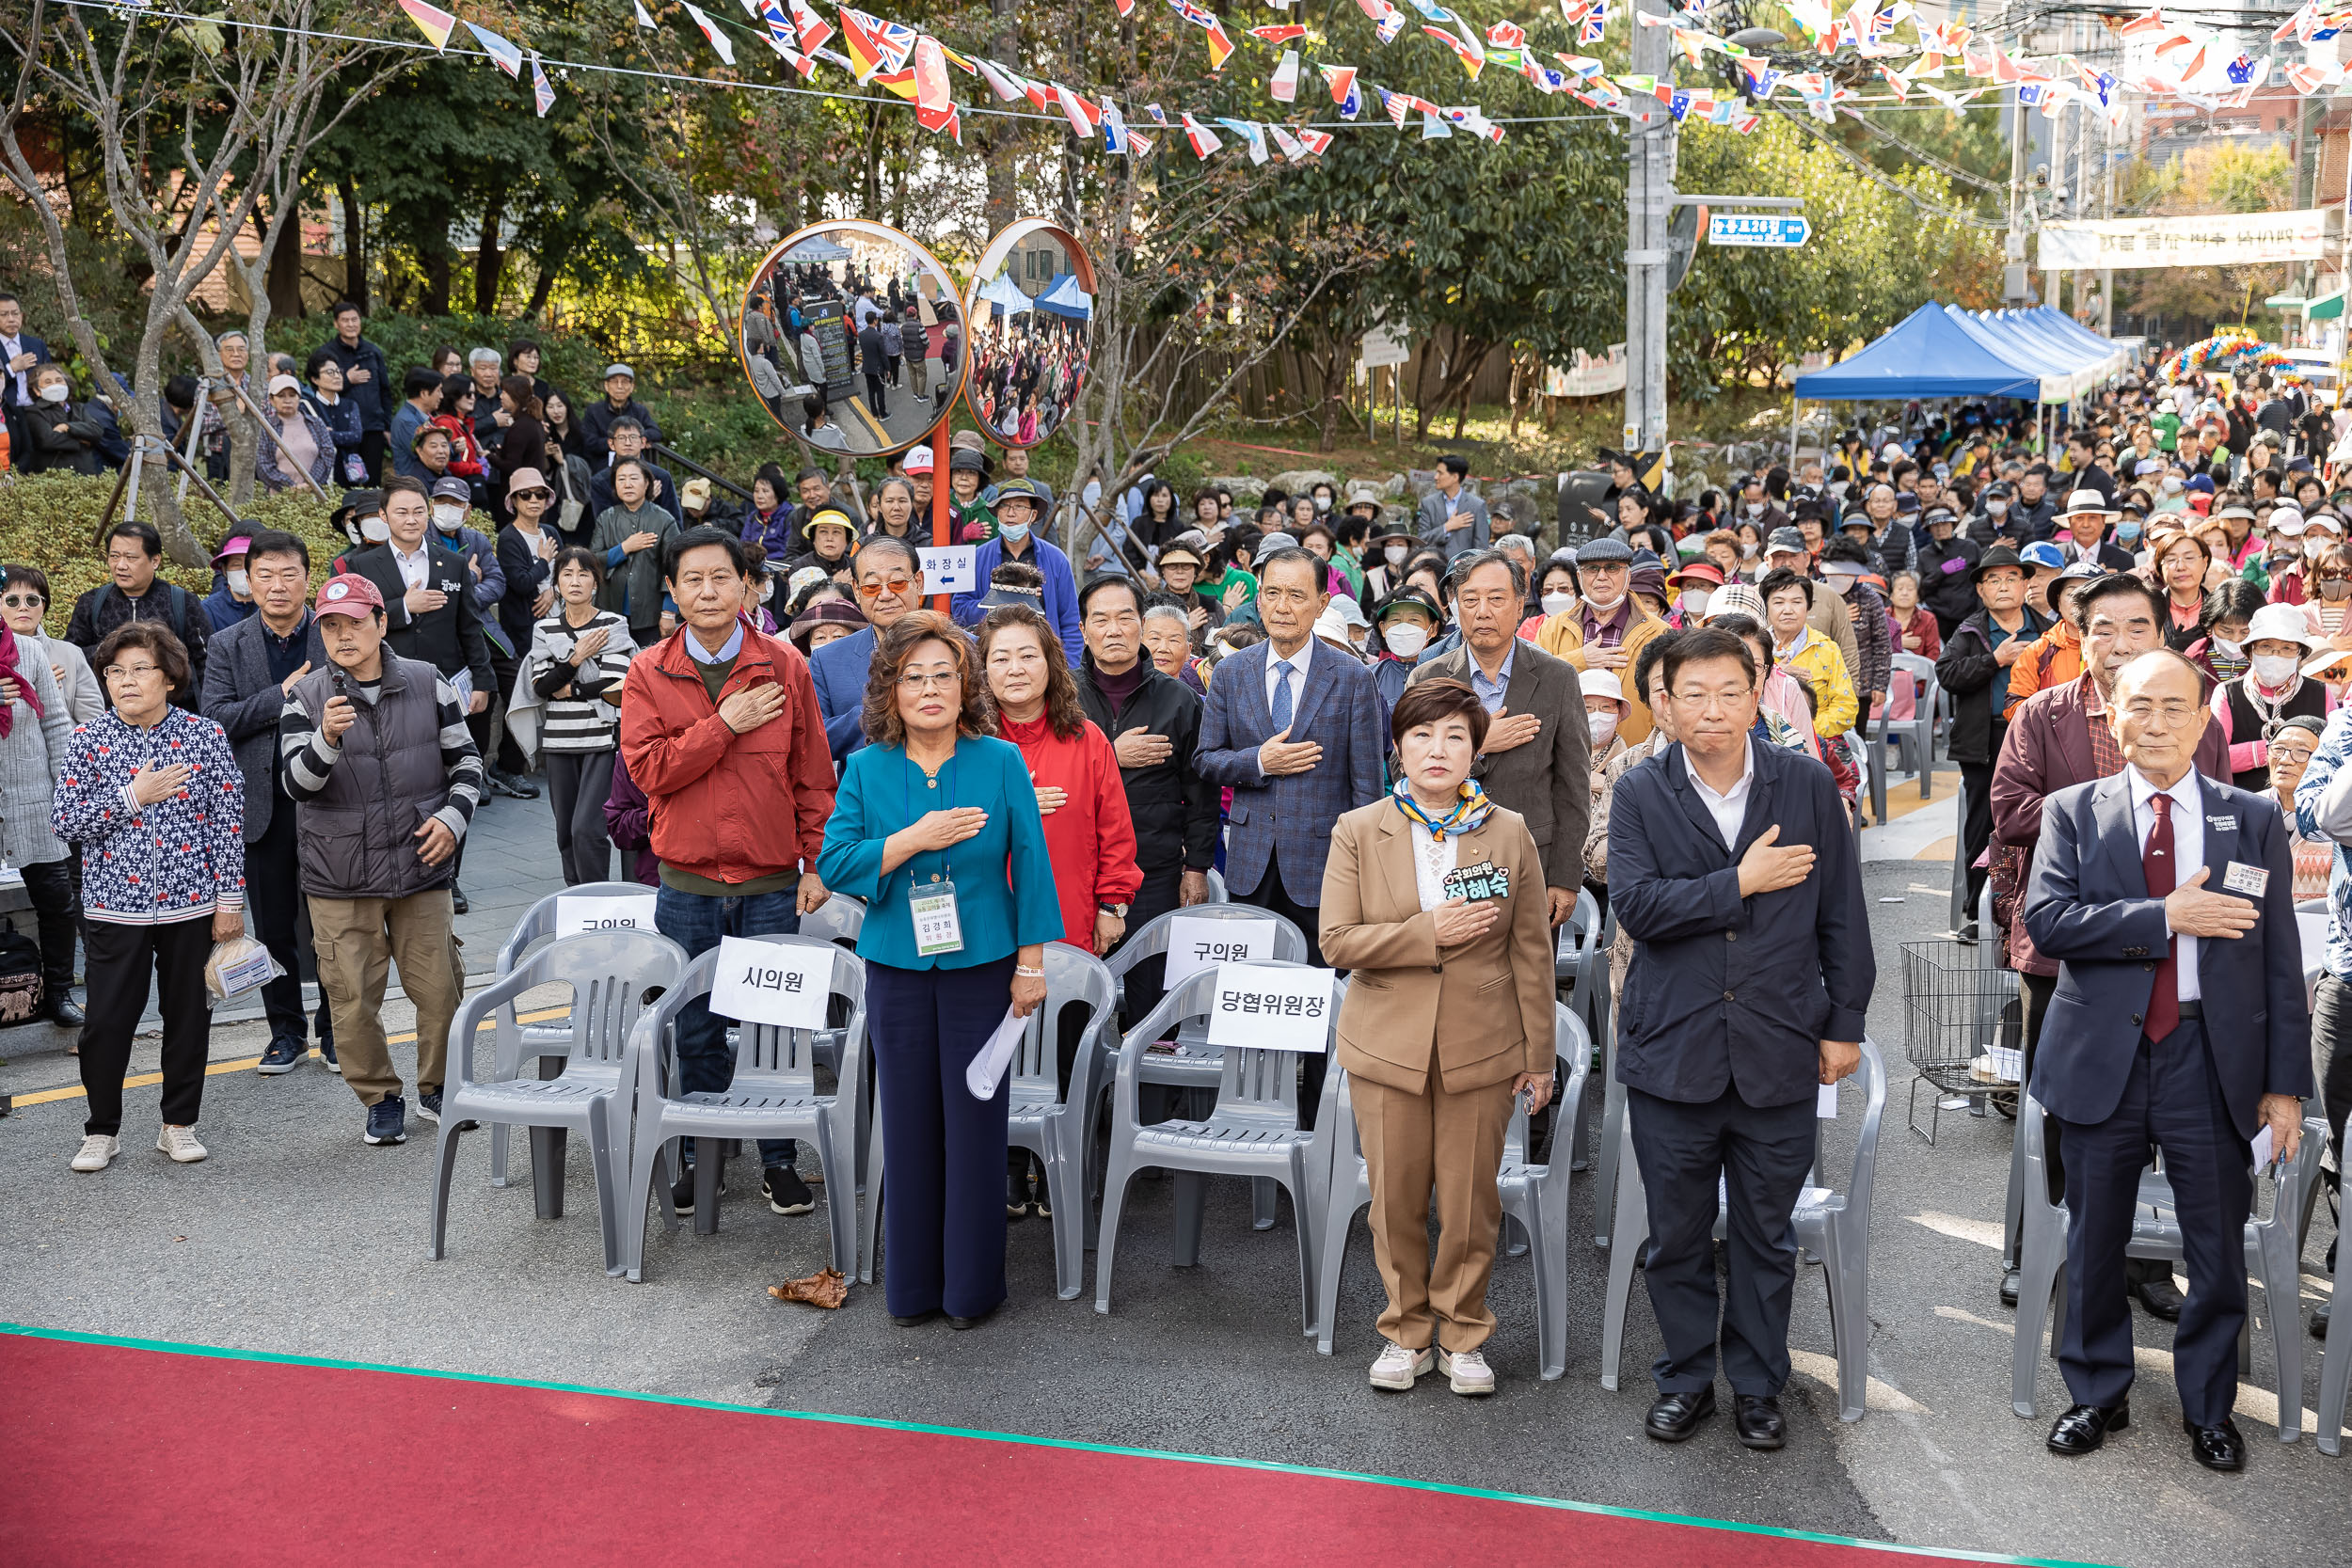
(1776, 230)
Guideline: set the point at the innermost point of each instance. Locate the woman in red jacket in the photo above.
(1089, 834)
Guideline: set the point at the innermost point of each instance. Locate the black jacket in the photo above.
(449, 639)
(595, 428)
(375, 396)
(526, 574)
(1947, 594)
(1967, 671)
(1175, 809)
(99, 610)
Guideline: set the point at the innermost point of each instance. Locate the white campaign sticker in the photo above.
(577, 913)
(949, 568)
(1196, 943)
(758, 982)
(1265, 1009)
(2252, 880)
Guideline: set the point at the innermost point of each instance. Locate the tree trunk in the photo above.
(284, 286)
(432, 259)
(1004, 47)
(1518, 371)
(489, 260)
(355, 245)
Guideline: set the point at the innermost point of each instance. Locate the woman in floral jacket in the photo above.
(152, 794)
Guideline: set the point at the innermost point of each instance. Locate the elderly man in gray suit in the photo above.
(1538, 759)
(1452, 519)
(252, 666)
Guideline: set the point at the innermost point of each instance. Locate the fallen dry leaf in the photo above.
(826, 1288)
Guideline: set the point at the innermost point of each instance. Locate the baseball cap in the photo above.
(918, 460)
(452, 490)
(2043, 554)
(1785, 539)
(2082, 569)
(348, 594)
(235, 545)
(284, 384)
(616, 367)
(1602, 683)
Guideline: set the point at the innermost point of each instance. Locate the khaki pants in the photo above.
(918, 370)
(357, 940)
(1415, 1143)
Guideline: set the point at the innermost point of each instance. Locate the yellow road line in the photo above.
(214, 1069)
(874, 430)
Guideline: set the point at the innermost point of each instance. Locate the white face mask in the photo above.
(1747, 552)
(1604, 727)
(1404, 640)
(241, 585)
(1555, 604)
(1996, 507)
(1015, 532)
(1756, 509)
(2228, 649)
(1694, 602)
(374, 529)
(449, 519)
(1393, 554)
(53, 392)
(2274, 670)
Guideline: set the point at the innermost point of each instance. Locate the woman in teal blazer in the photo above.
(936, 826)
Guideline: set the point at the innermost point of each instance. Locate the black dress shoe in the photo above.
(2319, 1320)
(2161, 1297)
(973, 1321)
(61, 1010)
(2216, 1447)
(2009, 1288)
(914, 1320)
(1675, 1417)
(1758, 1422)
(2084, 1427)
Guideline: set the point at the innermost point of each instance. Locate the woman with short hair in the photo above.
(1434, 898)
(153, 795)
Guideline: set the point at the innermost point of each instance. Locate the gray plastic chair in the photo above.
(2274, 1246)
(1912, 739)
(1832, 1226)
(520, 1042)
(2335, 1358)
(1575, 947)
(1218, 893)
(773, 1095)
(1194, 1064)
(1253, 1132)
(1534, 1196)
(609, 972)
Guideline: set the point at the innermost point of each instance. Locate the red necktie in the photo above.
(2156, 864)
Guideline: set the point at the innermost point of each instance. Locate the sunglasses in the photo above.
(22, 601)
(874, 590)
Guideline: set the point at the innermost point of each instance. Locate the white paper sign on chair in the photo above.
(1194, 943)
(575, 915)
(1261, 1007)
(757, 982)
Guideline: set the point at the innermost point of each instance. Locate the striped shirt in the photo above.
(310, 757)
(582, 721)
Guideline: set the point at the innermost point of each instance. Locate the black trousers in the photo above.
(2331, 1041)
(509, 754)
(120, 958)
(371, 445)
(57, 910)
(578, 782)
(1761, 1156)
(281, 922)
(875, 400)
(1976, 830)
(1268, 895)
(1162, 891)
(2172, 1098)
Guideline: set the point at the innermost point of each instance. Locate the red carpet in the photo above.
(119, 1452)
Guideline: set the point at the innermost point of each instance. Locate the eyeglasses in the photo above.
(874, 590)
(944, 679)
(1703, 702)
(22, 601)
(130, 671)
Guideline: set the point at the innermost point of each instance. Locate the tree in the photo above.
(191, 122)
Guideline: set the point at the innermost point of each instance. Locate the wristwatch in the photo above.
(1118, 910)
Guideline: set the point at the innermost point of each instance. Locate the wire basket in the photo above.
(1964, 1028)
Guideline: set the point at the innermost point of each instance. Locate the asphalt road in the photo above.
(296, 1238)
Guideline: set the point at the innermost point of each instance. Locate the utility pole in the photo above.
(1651, 144)
(2015, 289)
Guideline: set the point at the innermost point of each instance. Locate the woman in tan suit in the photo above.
(1434, 896)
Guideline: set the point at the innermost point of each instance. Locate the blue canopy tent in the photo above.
(1004, 297)
(2116, 359)
(2061, 368)
(1927, 354)
(1065, 298)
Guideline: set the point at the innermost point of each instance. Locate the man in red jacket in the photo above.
(719, 728)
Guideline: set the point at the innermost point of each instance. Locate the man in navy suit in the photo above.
(2147, 951)
(889, 579)
(20, 352)
(1294, 728)
(1732, 865)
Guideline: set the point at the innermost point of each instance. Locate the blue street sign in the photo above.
(1777, 229)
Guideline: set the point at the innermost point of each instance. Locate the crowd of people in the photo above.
(1027, 372)
(893, 337)
(1403, 727)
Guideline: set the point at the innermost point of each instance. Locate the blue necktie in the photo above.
(1283, 696)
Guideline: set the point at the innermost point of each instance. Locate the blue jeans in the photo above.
(696, 922)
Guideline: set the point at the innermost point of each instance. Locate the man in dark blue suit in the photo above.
(1294, 728)
(889, 583)
(1732, 865)
(20, 352)
(2147, 953)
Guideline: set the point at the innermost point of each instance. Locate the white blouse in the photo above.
(1432, 860)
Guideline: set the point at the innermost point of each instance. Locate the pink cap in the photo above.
(349, 595)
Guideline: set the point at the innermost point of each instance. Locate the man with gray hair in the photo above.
(490, 419)
(1521, 549)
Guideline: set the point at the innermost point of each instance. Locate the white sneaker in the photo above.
(179, 1143)
(1398, 1368)
(98, 1151)
(1468, 1373)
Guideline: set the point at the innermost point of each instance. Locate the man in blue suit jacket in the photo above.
(2147, 952)
(1733, 867)
(1296, 756)
(889, 577)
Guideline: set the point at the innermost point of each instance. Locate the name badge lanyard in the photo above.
(938, 928)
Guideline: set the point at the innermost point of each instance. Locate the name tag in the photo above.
(2226, 824)
(937, 927)
(2251, 880)
(1487, 880)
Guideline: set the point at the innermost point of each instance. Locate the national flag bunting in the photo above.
(644, 17)
(875, 44)
(1204, 141)
(1315, 141)
(814, 29)
(1083, 116)
(542, 91)
(1284, 86)
(1250, 131)
(1287, 33)
(434, 23)
(1114, 127)
(1506, 35)
(710, 30)
(508, 55)
(1341, 79)
(1291, 152)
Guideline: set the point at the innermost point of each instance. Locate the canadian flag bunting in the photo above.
(814, 29)
(1315, 141)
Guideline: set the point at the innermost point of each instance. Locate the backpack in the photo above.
(20, 976)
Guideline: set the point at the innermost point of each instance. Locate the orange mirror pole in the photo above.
(942, 528)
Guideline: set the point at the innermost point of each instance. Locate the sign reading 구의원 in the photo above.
(1777, 230)
(575, 913)
(1196, 943)
(1263, 1007)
